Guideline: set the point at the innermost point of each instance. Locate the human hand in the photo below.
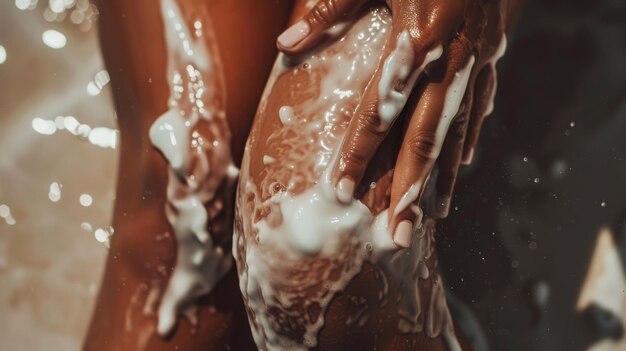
(445, 53)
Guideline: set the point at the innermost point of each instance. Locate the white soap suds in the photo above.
(281, 268)
(492, 66)
(319, 240)
(399, 76)
(198, 164)
(408, 198)
(286, 114)
(268, 160)
(451, 106)
(296, 246)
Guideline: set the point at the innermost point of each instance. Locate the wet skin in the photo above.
(142, 255)
(381, 329)
(140, 258)
(469, 32)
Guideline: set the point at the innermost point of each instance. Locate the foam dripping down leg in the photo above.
(297, 246)
(193, 137)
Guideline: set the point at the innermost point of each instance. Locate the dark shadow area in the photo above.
(549, 173)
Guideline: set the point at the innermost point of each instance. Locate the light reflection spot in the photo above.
(22, 4)
(86, 226)
(55, 192)
(3, 54)
(86, 200)
(92, 89)
(43, 126)
(5, 211)
(54, 39)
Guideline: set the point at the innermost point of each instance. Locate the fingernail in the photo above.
(404, 233)
(345, 190)
(469, 157)
(442, 206)
(294, 34)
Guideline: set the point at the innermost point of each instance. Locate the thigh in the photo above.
(311, 272)
(143, 249)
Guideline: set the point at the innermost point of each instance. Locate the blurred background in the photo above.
(57, 172)
(542, 205)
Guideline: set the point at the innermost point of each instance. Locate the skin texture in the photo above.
(469, 32)
(142, 256)
(380, 332)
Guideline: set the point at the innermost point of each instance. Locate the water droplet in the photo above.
(43, 126)
(55, 192)
(525, 159)
(86, 227)
(54, 39)
(104, 234)
(3, 54)
(27, 4)
(572, 124)
(92, 89)
(101, 235)
(86, 200)
(10, 220)
(603, 204)
(5, 211)
(536, 180)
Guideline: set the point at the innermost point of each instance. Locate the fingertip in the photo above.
(403, 235)
(468, 156)
(166, 321)
(345, 189)
(293, 35)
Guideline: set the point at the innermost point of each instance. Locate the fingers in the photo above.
(313, 27)
(383, 100)
(484, 93)
(425, 135)
(450, 157)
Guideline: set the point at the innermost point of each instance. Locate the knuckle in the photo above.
(364, 139)
(417, 38)
(465, 110)
(458, 128)
(324, 12)
(422, 147)
(369, 121)
(459, 51)
(420, 41)
(354, 161)
(463, 44)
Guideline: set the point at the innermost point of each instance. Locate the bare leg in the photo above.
(143, 254)
(314, 271)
